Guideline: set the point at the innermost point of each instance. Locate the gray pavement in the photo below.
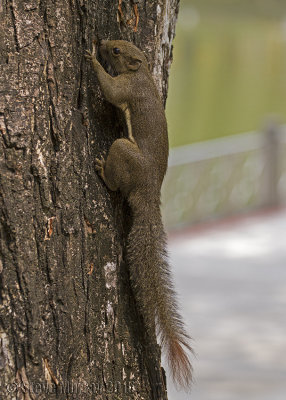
(231, 282)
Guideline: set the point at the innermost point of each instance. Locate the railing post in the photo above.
(271, 131)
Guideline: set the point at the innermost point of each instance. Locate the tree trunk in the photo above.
(69, 326)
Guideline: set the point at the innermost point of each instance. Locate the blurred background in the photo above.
(224, 196)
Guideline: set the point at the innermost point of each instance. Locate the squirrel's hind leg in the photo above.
(123, 166)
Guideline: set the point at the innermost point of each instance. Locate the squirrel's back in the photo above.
(148, 120)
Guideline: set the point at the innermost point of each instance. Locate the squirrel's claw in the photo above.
(88, 55)
(99, 162)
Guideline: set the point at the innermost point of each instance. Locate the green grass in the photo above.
(228, 74)
(270, 9)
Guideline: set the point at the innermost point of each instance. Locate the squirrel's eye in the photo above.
(116, 50)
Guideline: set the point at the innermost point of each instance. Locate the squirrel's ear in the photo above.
(134, 63)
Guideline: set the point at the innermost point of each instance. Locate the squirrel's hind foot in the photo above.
(99, 166)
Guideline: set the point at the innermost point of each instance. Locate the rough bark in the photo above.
(68, 326)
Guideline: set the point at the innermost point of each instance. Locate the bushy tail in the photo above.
(154, 291)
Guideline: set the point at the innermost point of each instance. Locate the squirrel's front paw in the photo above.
(89, 56)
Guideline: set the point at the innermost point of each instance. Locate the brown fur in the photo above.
(136, 166)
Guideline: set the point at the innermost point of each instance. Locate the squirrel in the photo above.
(136, 166)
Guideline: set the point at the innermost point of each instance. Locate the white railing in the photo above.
(225, 176)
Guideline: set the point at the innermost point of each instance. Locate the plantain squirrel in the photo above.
(136, 166)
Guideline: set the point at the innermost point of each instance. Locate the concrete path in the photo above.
(231, 282)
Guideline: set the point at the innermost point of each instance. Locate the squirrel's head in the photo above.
(122, 56)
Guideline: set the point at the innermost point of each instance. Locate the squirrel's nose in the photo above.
(102, 42)
(98, 41)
